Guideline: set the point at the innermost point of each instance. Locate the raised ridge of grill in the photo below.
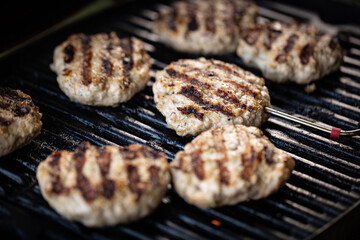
(324, 185)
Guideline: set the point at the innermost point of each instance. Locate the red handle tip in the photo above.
(335, 133)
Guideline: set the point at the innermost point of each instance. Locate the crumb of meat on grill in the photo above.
(195, 95)
(101, 69)
(290, 52)
(104, 186)
(228, 165)
(206, 27)
(20, 120)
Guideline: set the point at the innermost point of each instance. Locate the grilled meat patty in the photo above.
(206, 27)
(102, 69)
(199, 94)
(102, 186)
(290, 52)
(20, 120)
(228, 165)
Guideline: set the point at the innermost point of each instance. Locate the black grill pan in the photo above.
(321, 200)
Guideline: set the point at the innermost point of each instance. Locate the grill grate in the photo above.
(323, 188)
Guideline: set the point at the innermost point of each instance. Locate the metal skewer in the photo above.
(334, 132)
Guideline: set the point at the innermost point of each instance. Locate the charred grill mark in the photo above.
(334, 42)
(128, 62)
(56, 185)
(246, 89)
(104, 162)
(4, 104)
(248, 165)
(235, 84)
(107, 67)
(67, 72)
(134, 180)
(129, 154)
(87, 56)
(69, 52)
(281, 58)
(170, 18)
(273, 34)
(12, 94)
(230, 19)
(181, 76)
(193, 94)
(198, 164)
(150, 153)
(190, 110)
(5, 121)
(108, 188)
(290, 43)
(82, 182)
(251, 35)
(269, 155)
(228, 96)
(209, 19)
(21, 111)
(308, 51)
(219, 144)
(191, 10)
(154, 175)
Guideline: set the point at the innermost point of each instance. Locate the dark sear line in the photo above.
(248, 164)
(252, 34)
(171, 18)
(104, 162)
(290, 43)
(269, 155)
(11, 101)
(128, 154)
(308, 51)
(230, 17)
(191, 10)
(229, 71)
(107, 65)
(273, 34)
(150, 153)
(209, 18)
(87, 56)
(82, 182)
(134, 180)
(11, 94)
(184, 77)
(219, 144)
(193, 94)
(56, 185)
(69, 52)
(228, 96)
(198, 164)
(5, 121)
(191, 110)
(154, 175)
(127, 58)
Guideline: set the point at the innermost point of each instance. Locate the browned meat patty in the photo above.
(20, 120)
(207, 27)
(102, 186)
(229, 165)
(290, 52)
(199, 94)
(102, 69)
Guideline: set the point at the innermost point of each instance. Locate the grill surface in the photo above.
(321, 197)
